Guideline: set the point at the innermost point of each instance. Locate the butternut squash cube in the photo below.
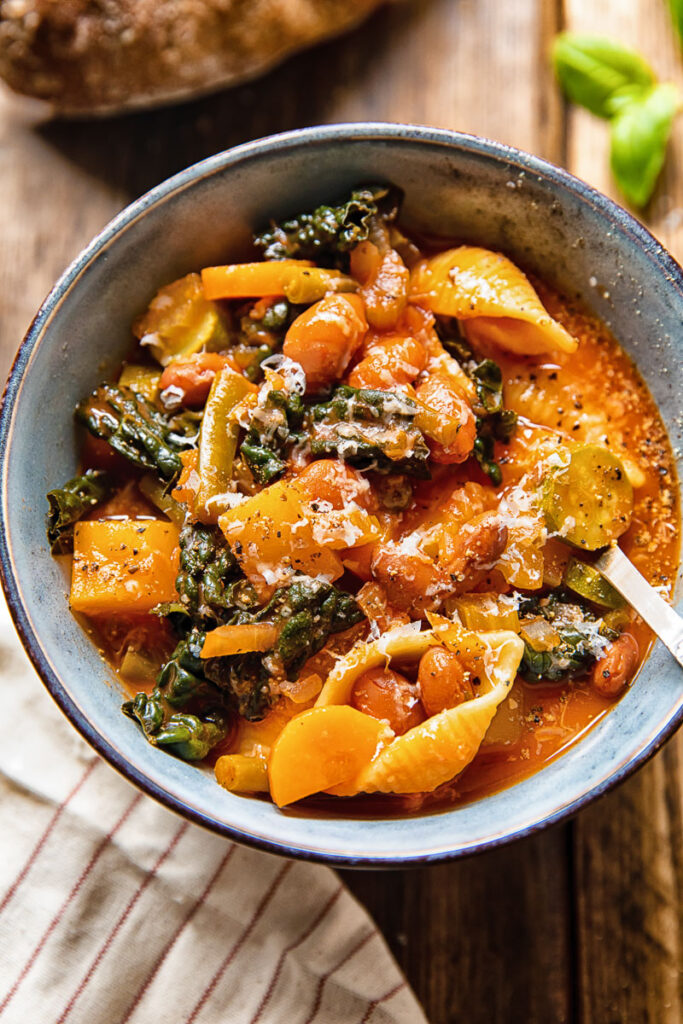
(121, 566)
(272, 531)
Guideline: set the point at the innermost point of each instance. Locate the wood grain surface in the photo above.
(583, 922)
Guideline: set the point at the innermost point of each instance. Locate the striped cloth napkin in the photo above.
(115, 911)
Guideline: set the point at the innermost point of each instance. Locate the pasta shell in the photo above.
(402, 642)
(438, 749)
(496, 299)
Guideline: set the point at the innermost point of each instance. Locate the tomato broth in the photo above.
(389, 484)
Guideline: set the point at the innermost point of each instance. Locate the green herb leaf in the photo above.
(640, 134)
(328, 233)
(369, 430)
(598, 74)
(677, 15)
(69, 503)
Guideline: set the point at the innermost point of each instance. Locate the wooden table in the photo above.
(584, 922)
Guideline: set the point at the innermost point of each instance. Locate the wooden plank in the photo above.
(52, 208)
(628, 893)
(471, 65)
(627, 848)
(643, 25)
(484, 939)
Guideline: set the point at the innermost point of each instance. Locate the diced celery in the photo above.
(154, 490)
(484, 612)
(587, 582)
(309, 284)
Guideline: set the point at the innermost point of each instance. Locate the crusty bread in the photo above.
(102, 56)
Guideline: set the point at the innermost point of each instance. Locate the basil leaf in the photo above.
(599, 74)
(640, 134)
(677, 15)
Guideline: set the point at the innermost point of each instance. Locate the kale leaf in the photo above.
(137, 430)
(328, 233)
(190, 707)
(578, 647)
(274, 429)
(572, 656)
(69, 503)
(500, 426)
(307, 613)
(262, 335)
(488, 381)
(370, 430)
(210, 584)
(181, 685)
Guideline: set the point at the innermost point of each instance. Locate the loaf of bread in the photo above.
(103, 56)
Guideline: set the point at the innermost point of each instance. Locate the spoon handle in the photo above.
(660, 616)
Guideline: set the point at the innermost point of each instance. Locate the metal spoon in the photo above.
(624, 577)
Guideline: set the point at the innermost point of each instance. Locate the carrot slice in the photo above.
(241, 639)
(249, 280)
(320, 748)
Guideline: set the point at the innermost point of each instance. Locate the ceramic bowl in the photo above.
(456, 185)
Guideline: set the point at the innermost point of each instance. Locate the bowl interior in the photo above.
(454, 185)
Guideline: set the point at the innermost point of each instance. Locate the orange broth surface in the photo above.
(595, 395)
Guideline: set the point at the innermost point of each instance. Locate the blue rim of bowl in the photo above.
(362, 131)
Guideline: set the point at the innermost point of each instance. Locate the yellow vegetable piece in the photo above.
(125, 565)
(250, 280)
(493, 295)
(155, 492)
(539, 634)
(457, 638)
(242, 774)
(522, 563)
(321, 748)
(509, 721)
(306, 286)
(138, 667)
(487, 611)
(272, 532)
(256, 739)
(303, 690)
(218, 441)
(588, 501)
(141, 379)
(180, 321)
(241, 639)
(346, 528)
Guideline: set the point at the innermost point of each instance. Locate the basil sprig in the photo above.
(640, 133)
(598, 74)
(617, 84)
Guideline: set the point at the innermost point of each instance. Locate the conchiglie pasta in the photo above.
(441, 747)
(496, 299)
(403, 642)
